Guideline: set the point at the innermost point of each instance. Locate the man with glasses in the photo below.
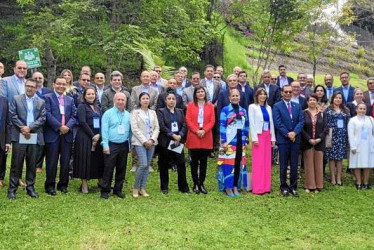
(185, 81)
(273, 80)
(346, 89)
(296, 96)
(14, 85)
(84, 82)
(369, 94)
(27, 114)
(283, 79)
(288, 121)
(217, 76)
(305, 91)
(329, 81)
(85, 70)
(160, 81)
(40, 89)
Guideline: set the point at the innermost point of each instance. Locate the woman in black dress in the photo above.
(88, 157)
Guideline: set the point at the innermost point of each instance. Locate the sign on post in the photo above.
(31, 57)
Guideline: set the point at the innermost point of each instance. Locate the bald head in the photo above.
(120, 100)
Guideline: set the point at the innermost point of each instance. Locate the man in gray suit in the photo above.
(188, 92)
(15, 84)
(145, 78)
(27, 115)
(213, 86)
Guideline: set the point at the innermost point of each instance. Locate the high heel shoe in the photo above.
(135, 193)
(143, 193)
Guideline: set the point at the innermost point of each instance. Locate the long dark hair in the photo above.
(198, 87)
(95, 102)
(342, 105)
(324, 97)
(141, 95)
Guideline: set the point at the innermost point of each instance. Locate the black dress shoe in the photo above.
(211, 155)
(366, 186)
(63, 189)
(294, 193)
(51, 192)
(358, 186)
(104, 195)
(119, 194)
(203, 189)
(165, 191)
(186, 191)
(284, 193)
(196, 189)
(12, 195)
(32, 193)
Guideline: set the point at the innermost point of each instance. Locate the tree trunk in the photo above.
(51, 65)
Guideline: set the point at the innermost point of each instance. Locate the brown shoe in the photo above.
(39, 170)
(2, 184)
(21, 184)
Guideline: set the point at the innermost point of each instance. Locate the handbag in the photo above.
(328, 139)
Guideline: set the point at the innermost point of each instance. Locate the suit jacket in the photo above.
(289, 79)
(45, 91)
(135, 93)
(367, 97)
(161, 100)
(224, 100)
(187, 83)
(18, 117)
(108, 96)
(302, 102)
(350, 93)
(164, 120)
(320, 132)
(139, 129)
(9, 88)
(216, 89)
(306, 92)
(274, 93)
(256, 121)
(53, 124)
(248, 94)
(283, 122)
(4, 123)
(188, 95)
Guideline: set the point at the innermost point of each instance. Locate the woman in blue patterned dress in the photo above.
(234, 139)
(337, 116)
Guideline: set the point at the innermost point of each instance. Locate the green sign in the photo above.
(31, 57)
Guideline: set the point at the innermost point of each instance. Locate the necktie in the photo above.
(62, 104)
(289, 108)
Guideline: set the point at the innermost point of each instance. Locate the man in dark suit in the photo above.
(224, 100)
(213, 87)
(84, 70)
(185, 81)
(27, 114)
(346, 89)
(58, 136)
(283, 79)
(296, 96)
(4, 137)
(288, 121)
(245, 88)
(369, 94)
(329, 81)
(271, 90)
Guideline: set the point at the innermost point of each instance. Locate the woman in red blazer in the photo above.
(200, 121)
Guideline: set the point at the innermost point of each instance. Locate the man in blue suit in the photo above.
(288, 121)
(271, 90)
(346, 89)
(58, 136)
(15, 84)
(245, 88)
(283, 79)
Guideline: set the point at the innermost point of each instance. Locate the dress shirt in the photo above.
(112, 118)
(184, 82)
(223, 85)
(210, 87)
(295, 99)
(371, 97)
(179, 90)
(242, 87)
(154, 85)
(100, 92)
(283, 81)
(30, 110)
(329, 92)
(145, 89)
(20, 84)
(267, 88)
(345, 92)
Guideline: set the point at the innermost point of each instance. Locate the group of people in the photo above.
(90, 127)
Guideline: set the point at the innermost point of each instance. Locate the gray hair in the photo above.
(116, 73)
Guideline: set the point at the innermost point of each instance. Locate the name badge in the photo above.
(174, 127)
(266, 126)
(62, 110)
(364, 133)
(96, 122)
(340, 123)
(121, 129)
(239, 124)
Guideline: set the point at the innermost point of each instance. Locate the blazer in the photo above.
(187, 83)
(320, 133)
(289, 79)
(53, 124)
(135, 93)
(18, 117)
(188, 95)
(224, 100)
(108, 96)
(248, 94)
(354, 133)
(284, 123)
(350, 93)
(4, 123)
(274, 93)
(164, 120)
(139, 129)
(161, 100)
(85, 117)
(216, 89)
(193, 141)
(9, 88)
(256, 121)
(302, 102)
(367, 97)
(45, 91)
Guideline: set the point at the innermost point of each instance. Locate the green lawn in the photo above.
(338, 217)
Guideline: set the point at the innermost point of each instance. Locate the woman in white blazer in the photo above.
(145, 130)
(361, 141)
(263, 139)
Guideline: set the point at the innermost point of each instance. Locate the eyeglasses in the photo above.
(23, 68)
(85, 80)
(287, 92)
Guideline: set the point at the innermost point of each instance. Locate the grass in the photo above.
(338, 217)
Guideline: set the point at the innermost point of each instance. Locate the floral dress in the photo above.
(338, 122)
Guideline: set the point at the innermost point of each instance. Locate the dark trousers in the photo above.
(116, 159)
(59, 149)
(40, 157)
(199, 159)
(3, 156)
(288, 155)
(20, 153)
(164, 158)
